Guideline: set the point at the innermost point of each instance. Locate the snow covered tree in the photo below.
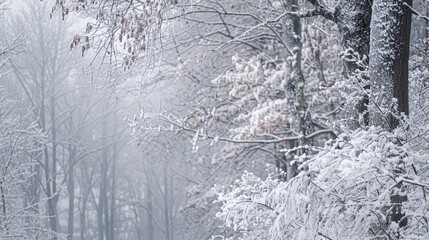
(20, 141)
(336, 198)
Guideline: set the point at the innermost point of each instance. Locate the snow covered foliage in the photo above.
(252, 96)
(122, 26)
(247, 208)
(419, 93)
(255, 94)
(347, 191)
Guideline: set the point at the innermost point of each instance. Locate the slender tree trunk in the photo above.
(3, 218)
(102, 203)
(295, 81)
(71, 191)
(55, 195)
(149, 225)
(425, 24)
(104, 183)
(84, 195)
(82, 221)
(166, 205)
(100, 208)
(106, 203)
(113, 232)
(49, 193)
(70, 226)
(112, 227)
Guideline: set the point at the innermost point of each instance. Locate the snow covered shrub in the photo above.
(419, 95)
(346, 192)
(247, 207)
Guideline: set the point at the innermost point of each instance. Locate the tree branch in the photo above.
(321, 9)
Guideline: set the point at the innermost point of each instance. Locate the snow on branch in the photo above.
(345, 193)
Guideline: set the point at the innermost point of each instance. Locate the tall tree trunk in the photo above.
(86, 185)
(295, 81)
(49, 192)
(102, 203)
(388, 71)
(104, 183)
(167, 205)
(100, 209)
(353, 19)
(105, 198)
(148, 219)
(82, 221)
(113, 232)
(388, 65)
(70, 186)
(425, 25)
(55, 195)
(71, 191)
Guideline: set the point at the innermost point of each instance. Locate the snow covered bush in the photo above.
(347, 191)
(247, 208)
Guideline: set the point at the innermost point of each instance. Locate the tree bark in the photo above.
(388, 71)
(55, 196)
(353, 18)
(295, 81)
(71, 191)
(388, 66)
(112, 227)
(148, 192)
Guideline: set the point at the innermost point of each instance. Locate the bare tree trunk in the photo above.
(105, 200)
(70, 186)
(55, 196)
(86, 185)
(149, 225)
(166, 205)
(100, 209)
(82, 221)
(49, 192)
(112, 227)
(104, 183)
(102, 204)
(71, 191)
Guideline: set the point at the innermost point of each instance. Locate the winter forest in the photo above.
(214, 119)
